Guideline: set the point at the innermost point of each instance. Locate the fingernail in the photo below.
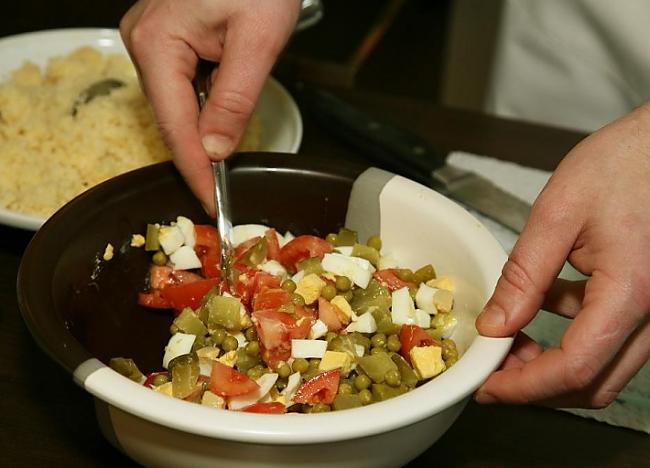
(217, 145)
(493, 317)
(484, 398)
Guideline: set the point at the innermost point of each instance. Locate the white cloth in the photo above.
(571, 63)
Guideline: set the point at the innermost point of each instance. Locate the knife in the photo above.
(409, 155)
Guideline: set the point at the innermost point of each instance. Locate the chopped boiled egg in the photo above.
(229, 359)
(241, 339)
(170, 238)
(344, 306)
(273, 267)
(450, 326)
(358, 270)
(443, 299)
(318, 329)
(265, 383)
(243, 232)
(402, 309)
(387, 261)
(213, 400)
(179, 344)
(310, 287)
(427, 361)
(165, 389)
(308, 348)
(293, 382)
(137, 240)
(208, 352)
(344, 250)
(359, 350)
(335, 359)
(184, 258)
(298, 276)
(424, 299)
(187, 228)
(442, 282)
(108, 252)
(288, 237)
(422, 319)
(364, 324)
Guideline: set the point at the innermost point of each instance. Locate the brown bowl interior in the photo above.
(78, 306)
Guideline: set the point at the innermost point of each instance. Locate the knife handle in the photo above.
(389, 147)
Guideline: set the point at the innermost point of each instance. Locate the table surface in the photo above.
(46, 419)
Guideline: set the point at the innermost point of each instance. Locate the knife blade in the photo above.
(409, 155)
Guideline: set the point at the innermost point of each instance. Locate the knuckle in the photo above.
(516, 276)
(232, 103)
(581, 371)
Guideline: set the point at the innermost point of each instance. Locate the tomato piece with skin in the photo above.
(163, 276)
(153, 300)
(190, 294)
(274, 407)
(270, 299)
(321, 388)
(272, 245)
(411, 336)
(389, 278)
(328, 314)
(226, 381)
(244, 247)
(302, 248)
(150, 378)
(206, 235)
(275, 330)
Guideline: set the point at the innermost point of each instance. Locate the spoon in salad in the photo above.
(220, 175)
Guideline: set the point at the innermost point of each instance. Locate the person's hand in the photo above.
(165, 39)
(595, 212)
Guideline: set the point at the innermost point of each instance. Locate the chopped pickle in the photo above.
(188, 322)
(384, 322)
(256, 254)
(364, 251)
(223, 312)
(382, 392)
(311, 265)
(343, 344)
(359, 339)
(374, 297)
(408, 374)
(346, 237)
(151, 240)
(376, 366)
(245, 361)
(439, 323)
(185, 374)
(346, 401)
(127, 368)
(424, 274)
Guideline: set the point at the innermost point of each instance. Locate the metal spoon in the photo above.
(99, 88)
(220, 174)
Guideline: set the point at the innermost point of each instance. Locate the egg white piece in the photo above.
(318, 330)
(358, 270)
(424, 299)
(364, 324)
(187, 228)
(184, 258)
(170, 238)
(179, 344)
(274, 268)
(402, 309)
(265, 383)
(308, 348)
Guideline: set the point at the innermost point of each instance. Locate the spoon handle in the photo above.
(220, 174)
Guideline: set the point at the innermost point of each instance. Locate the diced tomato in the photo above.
(389, 278)
(206, 235)
(264, 280)
(163, 276)
(274, 407)
(153, 300)
(226, 381)
(275, 330)
(190, 294)
(411, 336)
(306, 312)
(210, 258)
(150, 378)
(245, 246)
(272, 245)
(321, 388)
(328, 314)
(302, 248)
(270, 299)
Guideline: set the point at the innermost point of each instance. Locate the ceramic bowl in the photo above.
(82, 311)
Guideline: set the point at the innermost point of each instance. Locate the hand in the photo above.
(165, 38)
(594, 212)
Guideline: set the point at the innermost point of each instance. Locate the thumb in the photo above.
(532, 267)
(245, 64)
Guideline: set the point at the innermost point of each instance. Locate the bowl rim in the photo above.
(482, 357)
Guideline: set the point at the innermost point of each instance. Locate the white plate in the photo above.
(279, 115)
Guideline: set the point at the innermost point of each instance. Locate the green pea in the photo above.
(393, 378)
(393, 343)
(378, 340)
(374, 242)
(252, 348)
(328, 292)
(424, 274)
(405, 274)
(300, 365)
(365, 397)
(329, 336)
(159, 258)
(314, 363)
(255, 372)
(374, 351)
(348, 295)
(331, 238)
(343, 283)
(362, 382)
(321, 408)
(284, 370)
(218, 336)
(297, 299)
(230, 343)
(160, 379)
(345, 389)
(288, 285)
